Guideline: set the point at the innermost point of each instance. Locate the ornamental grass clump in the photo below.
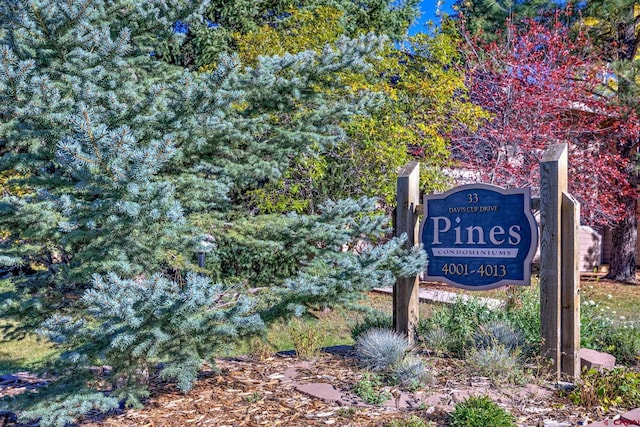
(388, 353)
(438, 340)
(411, 373)
(381, 349)
(500, 333)
(496, 363)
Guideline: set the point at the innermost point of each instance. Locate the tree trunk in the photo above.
(622, 267)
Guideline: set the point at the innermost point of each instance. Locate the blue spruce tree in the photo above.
(123, 165)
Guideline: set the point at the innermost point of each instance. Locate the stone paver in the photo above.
(323, 391)
(631, 418)
(596, 359)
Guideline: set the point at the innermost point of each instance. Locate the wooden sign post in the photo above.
(559, 279)
(559, 271)
(405, 290)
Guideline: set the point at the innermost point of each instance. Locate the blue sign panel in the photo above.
(479, 236)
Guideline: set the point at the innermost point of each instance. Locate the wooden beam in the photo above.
(405, 290)
(553, 182)
(570, 289)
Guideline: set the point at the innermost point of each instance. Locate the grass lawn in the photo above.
(24, 354)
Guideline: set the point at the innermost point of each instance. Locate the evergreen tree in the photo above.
(127, 164)
(489, 17)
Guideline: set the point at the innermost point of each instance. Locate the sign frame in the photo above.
(520, 195)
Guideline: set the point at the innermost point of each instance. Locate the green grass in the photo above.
(23, 354)
(614, 298)
(335, 324)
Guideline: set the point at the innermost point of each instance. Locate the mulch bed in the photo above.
(251, 392)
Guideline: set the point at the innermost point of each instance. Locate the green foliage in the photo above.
(421, 99)
(623, 342)
(456, 323)
(437, 339)
(523, 313)
(600, 330)
(374, 320)
(369, 389)
(132, 324)
(457, 327)
(229, 21)
(487, 18)
(480, 411)
(619, 387)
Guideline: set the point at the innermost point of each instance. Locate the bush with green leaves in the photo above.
(453, 324)
(458, 327)
(480, 411)
(370, 389)
(619, 387)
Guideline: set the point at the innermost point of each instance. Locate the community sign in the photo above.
(479, 236)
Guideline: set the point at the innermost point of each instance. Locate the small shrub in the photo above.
(306, 339)
(381, 349)
(411, 373)
(496, 363)
(412, 421)
(260, 348)
(480, 411)
(369, 389)
(618, 387)
(499, 333)
(459, 320)
(374, 320)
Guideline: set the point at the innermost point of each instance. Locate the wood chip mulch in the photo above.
(251, 392)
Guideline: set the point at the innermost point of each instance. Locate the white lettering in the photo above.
(495, 232)
(470, 239)
(437, 230)
(514, 235)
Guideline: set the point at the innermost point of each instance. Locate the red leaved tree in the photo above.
(543, 85)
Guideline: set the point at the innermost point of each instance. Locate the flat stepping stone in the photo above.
(323, 391)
